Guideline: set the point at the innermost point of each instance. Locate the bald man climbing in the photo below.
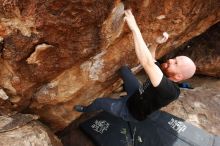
(158, 91)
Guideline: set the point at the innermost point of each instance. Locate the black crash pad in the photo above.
(159, 129)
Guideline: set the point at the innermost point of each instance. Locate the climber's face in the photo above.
(178, 68)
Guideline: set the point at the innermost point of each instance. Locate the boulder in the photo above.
(55, 54)
(25, 130)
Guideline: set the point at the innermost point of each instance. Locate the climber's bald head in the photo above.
(179, 68)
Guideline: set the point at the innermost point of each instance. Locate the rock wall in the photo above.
(55, 54)
(24, 130)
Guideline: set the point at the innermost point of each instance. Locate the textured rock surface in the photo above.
(56, 54)
(24, 130)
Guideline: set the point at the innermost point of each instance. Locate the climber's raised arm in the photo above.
(143, 53)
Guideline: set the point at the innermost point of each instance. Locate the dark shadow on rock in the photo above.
(72, 135)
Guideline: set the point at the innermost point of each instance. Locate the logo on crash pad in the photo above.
(176, 125)
(100, 126)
